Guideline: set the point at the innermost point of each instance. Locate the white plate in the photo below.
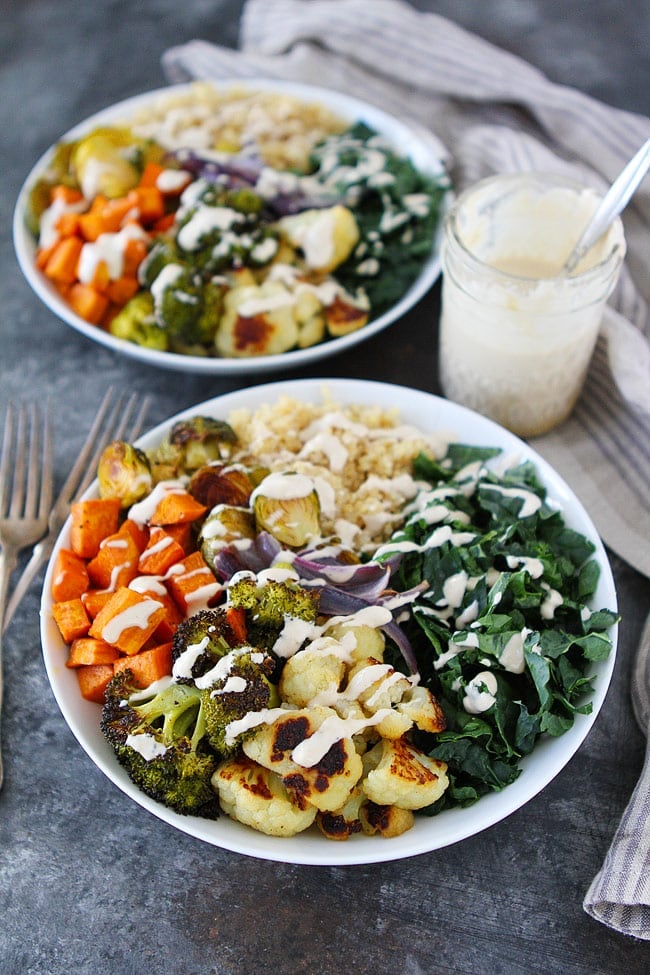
(429, 413)
(422, 148)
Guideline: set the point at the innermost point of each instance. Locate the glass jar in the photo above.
(516, 332)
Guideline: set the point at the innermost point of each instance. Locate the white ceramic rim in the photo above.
(430, 413)
(420, 146)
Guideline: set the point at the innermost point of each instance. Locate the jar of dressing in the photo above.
(516, 332)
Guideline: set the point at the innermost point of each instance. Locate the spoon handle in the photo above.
(615, 200)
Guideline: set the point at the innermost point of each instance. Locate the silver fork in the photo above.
(120, 417)
(25, 494)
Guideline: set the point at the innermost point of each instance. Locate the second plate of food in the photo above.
(233, 229)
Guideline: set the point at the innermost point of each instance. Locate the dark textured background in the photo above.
(91, 883)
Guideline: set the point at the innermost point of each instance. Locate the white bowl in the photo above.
(429, 413)
(420, 146)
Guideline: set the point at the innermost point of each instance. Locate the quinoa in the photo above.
(360, 458)
(279, 127)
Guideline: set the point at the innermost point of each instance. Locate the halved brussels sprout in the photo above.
(287, 506)
(124, 472)
(225, 484)
(225, 524)
(102, 163)
(192, 444)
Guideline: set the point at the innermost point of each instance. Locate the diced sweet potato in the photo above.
(116, 563)
(192, 584)
(93, 681)
(86, 301)
(173, 616)
(139, 533)
(149, 665)
(183, 534)
(161, 553)
(71, 618)
(92, 521)
(94, 600)
(62, 263)
(177, 507)
(127, 620)
(70, 576)
(86, 650)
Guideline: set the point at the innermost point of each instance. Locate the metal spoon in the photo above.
(615, 200)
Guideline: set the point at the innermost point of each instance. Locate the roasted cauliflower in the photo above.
(255, 796)
(399, 774)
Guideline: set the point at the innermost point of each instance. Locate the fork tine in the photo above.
(38, 474)
(19, 458)
(5, 464)
(47, 472)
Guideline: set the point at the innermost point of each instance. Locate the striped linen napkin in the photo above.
(495, 113)
(619, 894)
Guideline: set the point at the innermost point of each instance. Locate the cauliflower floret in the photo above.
(326, 784)
(388, 821)
(308, 312)
(345, 314)
(341, 824)
(378, 687)
(399, 774)
(382, 685)
(256, 797)
(325, 236)
(257, 320)
(310, 675)
(368, 640)
(419, 704)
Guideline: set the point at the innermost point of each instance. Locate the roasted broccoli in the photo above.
(268, 606)
(221, 229)
(159, 738)
(187, 308)
(136, 322)
(202, 639)
(238, 684)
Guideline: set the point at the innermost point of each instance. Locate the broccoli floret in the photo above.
(159, 738)
(136, 322)
(202, 639)
(162, 253)
(238, 684)
(269, 605)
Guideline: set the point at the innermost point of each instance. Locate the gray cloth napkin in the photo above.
(495, 113)
(619, 894)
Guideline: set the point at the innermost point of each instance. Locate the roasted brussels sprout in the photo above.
(103, 164)
(124, 472)
(287, 506)
(225, 524)
(225, 484)
(192, 444)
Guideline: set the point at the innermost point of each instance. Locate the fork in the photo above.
(119, 417)
(25, 494)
